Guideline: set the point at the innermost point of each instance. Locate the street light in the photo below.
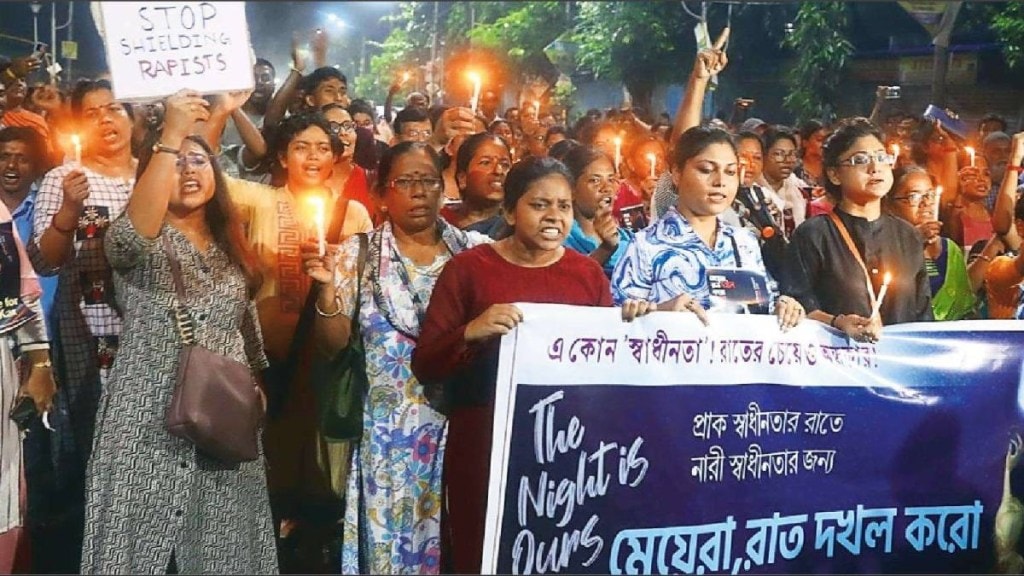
(35, 7)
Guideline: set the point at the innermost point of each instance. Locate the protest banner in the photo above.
(661, 446)
(155, 49)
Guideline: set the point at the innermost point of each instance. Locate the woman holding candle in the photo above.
(393, 502)
(670, 262)
(74, 207)
(470, 309)
(914, 199)
(837, 261)
(969, 219)
(646, 160)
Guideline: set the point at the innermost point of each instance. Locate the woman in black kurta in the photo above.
(825, 276)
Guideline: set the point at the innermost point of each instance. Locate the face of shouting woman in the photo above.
(543, 215)
(195, 181)
(308, 159)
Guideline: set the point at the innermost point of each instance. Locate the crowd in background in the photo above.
(442, 216)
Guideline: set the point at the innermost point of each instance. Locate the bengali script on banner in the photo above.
(662, 446)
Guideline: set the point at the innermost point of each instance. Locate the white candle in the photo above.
(970, 152)
(536, 105)
(938, 201)
(318, 220)
(896, 151)
(77, 143)
(618, 153)
(654, 161)
(475, 78)
(881, 293)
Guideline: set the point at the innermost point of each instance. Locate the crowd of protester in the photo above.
(445, 216)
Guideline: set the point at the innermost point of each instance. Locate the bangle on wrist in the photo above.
(66, 232)
(45, 364)
(835, 319)
(337, 305)
(294, 69)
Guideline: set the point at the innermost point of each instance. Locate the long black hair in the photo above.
(221, 217)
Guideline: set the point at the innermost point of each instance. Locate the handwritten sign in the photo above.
(665, 447)
(155, 49)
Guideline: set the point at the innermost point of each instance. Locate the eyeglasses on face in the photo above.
(863, 159)
(782, 155)
(916, 198)
(196, 161)
(429, 183)
(342, 127)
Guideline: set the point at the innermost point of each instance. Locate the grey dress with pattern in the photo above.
(148, 493)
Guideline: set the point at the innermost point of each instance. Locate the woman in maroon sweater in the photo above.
(471, 308)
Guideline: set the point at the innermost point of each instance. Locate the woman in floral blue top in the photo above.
(674, 261)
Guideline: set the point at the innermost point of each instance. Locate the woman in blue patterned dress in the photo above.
(669, 262)
(393, 501)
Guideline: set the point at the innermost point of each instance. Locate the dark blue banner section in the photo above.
(910, 476)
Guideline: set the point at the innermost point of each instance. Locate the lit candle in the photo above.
(475, 78)
(77, 143)
(881, 293)
(618, 153)
(938, 201)
(896, 151)
(743, 174)
(318, 220)
(405, 77)
(970, 152)
(653, 160)
(536, 105)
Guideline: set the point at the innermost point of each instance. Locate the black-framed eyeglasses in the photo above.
(429, 183)
(413, 133)
(781, 155)
(342, 127)
(196, 161)
(863, 159)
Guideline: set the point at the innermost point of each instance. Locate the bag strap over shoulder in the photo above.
(182, 319)
(172, 257)
(845, 234)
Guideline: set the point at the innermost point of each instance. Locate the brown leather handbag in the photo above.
(215, 404)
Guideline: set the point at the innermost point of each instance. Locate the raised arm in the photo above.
(709, 62)
(284, 95)
(147, 205)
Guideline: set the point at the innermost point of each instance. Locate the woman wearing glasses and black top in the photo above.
(837, 262)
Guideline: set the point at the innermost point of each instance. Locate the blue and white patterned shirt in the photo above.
(668, 259)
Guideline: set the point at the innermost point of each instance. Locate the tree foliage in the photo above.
(823, 52)
(1008, 25)
(640, 43)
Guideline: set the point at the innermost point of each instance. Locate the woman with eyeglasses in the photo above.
(347, 178)
(154, 504)
(472, 307)
(671, 263)
(778, 180)
(481, 164)
(913, 199)
(838, 261)
(393, 499)
(595, 231)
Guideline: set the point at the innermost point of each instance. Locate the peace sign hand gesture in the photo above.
(711, 61)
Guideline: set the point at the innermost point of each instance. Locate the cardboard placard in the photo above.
(155, 49)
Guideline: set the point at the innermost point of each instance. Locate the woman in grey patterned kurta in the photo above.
(150, 496)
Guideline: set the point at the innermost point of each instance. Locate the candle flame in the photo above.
(887, 278)
(473, 77)
(405, 76)
(896, 150)
(618, 140)
(969, 150)
(76, 140)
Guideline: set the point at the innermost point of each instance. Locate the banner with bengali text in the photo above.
(662, 446)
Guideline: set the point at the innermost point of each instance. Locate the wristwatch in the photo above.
(158, 147)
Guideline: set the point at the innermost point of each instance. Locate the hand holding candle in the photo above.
(318, 220)
(475, 100)
(881, 294)
(76, 141)
(654, 163)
